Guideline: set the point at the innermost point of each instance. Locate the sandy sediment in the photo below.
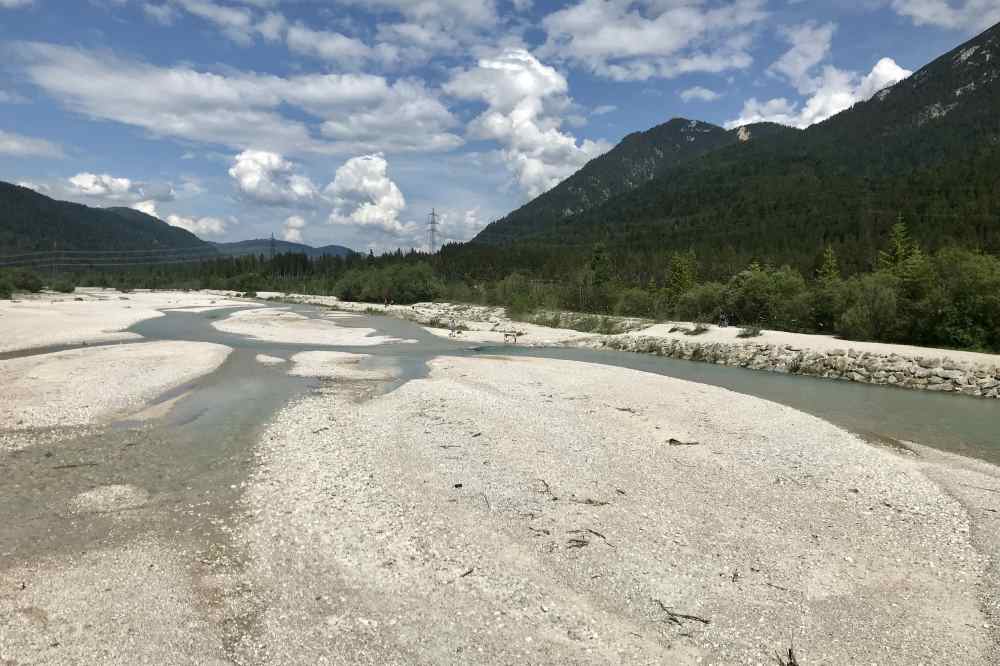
(88, 316)
(530, 510)
(280, 325)
(86, 386)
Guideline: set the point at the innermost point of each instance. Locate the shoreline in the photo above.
(958, 372)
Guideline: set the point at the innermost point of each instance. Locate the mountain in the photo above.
(262, 246)
(926, 151)
(32, 222)
(638, 159)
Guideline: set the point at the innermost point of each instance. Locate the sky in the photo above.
(348, 121)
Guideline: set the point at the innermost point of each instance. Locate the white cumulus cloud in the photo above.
(147, 207)
(292, 230)
(364, 196)
(525, 101)
(268, 178)
(828, 89)
(203, 226)
(117, 189)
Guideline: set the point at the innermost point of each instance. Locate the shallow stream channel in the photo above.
(195, 448)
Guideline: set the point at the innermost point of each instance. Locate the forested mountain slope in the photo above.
(32, 222)
(926, 151)
(638, 159)
(262, 246)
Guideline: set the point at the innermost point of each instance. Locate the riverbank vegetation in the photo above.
(946, 298)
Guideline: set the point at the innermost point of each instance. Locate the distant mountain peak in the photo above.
(661, 186)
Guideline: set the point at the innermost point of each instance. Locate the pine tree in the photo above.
(901, 248)
(683, 273)
(829, 270)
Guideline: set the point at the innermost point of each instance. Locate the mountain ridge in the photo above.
(922, 151)
(33, 222)
(258, 246)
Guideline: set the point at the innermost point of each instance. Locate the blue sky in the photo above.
(346, 121)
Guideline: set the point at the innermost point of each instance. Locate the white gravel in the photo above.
(335, 365)
(484, 325)
(279, 325)
(131, 605)
(530, 511)
(86, 386)
(89, 315)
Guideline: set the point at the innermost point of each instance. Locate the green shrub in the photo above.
(702, 303)
(6, 287)
(25, 280)
(634, 303)
(761, 293)
(63, 286)
(404, 284)
(873, 308)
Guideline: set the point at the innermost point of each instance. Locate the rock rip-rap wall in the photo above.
(929, 374)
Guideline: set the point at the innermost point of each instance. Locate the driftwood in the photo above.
(678, 618)
(789, 660)
(595, 533)
(76, 465)
(590, 502)
(546, 489)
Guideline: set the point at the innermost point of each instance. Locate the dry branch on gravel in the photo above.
(789, 660)
(593, 532)
(678, 618)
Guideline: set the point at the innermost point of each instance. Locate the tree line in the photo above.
(949, 297)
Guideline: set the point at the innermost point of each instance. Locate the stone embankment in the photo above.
(929, 374)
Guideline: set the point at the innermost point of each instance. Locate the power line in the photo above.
(100, 262)
(210, 251)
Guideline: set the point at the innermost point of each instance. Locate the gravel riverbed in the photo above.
(493, 509)
(527, 510)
